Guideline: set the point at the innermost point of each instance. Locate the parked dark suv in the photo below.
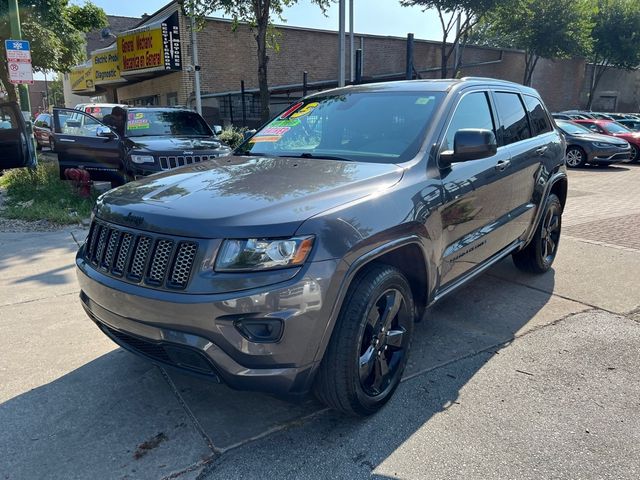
(302, 261)
(147, 140)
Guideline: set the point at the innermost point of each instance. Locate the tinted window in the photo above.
(472, 112)
(613, 127)
(153, 122)
(78, 124)
(571, 128)
(595, 128)
(513, 119)
(538, 117)
(364, 126)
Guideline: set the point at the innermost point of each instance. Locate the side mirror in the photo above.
(470, 144)
(106, 132)
(247, 134)
(217, 129)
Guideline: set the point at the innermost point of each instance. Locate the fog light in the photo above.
(260, 330)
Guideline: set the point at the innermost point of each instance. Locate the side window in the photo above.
(7, 118)
(537, 115)
(472, 112)
(593, 127)
(513, 119)
(79, 124)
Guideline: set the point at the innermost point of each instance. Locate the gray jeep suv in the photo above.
(301, 262)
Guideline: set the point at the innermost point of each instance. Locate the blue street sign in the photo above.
(20, 45)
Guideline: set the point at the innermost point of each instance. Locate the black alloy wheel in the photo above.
(541, 251)
(575, 157)
(369, 347)
(384, 342)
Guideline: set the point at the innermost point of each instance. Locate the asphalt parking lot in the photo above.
(513, 376)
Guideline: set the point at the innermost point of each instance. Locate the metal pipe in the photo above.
(409, 65)
(352, 45)
(244, 104)
(196, 66)
(304, 83)
(16, 34)
(358, 75)
(341, 46)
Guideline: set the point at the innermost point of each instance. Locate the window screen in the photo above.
(472, 112)
(539, 119)
(513, 119)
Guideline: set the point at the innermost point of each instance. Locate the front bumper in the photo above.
(609, 155)
(202, 334)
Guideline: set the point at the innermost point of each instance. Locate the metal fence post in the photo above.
(244, 104)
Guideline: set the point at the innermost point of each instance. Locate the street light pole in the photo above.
(16, 34)
(352, 46)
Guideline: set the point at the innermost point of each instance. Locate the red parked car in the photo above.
(614, 129)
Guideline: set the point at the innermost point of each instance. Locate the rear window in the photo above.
(539, 119)
(514, 125)
(98, 112)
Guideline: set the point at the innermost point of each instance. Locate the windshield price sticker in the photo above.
(138, 124)
(308, 108)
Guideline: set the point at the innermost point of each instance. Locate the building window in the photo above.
(172, 99)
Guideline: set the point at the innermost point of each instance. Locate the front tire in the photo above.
(539, 254)
(369, 347)
(575, 157)
(635, 154)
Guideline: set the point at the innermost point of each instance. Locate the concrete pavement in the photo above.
(504, 376)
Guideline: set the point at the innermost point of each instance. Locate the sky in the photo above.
(380, 17)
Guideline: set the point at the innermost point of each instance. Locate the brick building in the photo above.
(228, 57)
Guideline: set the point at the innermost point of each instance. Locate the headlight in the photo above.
(602, 145)
(262, 254)
(142, 159)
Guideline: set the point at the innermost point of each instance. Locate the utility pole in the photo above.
(16, 34)
(341, 49)
(196, 65)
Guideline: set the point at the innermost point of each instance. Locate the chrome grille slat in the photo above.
(140, 258)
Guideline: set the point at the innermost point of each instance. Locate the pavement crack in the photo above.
(37, 299)
(75, 240)
(216, 451)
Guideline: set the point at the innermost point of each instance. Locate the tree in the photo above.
(616, 39)
(467, 12)
(257, 14)
(56, 32)
(542, 28)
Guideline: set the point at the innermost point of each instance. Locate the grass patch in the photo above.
(40, 195)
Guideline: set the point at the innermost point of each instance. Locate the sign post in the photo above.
(16, 32)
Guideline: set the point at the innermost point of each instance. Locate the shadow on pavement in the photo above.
(91, 421)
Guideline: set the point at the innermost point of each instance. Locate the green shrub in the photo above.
(232, 136)
(40, 195)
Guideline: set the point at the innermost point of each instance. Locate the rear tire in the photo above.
(369, 347)
(575, 157)
(539, 254)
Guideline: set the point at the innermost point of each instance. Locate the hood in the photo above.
(178, 145)
(241, 197)
(597, 137)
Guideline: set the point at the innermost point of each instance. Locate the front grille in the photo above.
(167, 163)
(140, 258)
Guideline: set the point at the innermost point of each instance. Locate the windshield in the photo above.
(386, 127)
(98, 112)
(613, 127)
(572, 129)
(166, 123)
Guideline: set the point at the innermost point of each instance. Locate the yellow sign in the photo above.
(81, 78)
(142, 50)
(106, 67)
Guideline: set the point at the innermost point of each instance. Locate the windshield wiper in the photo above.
(249, 154)
(323, 157)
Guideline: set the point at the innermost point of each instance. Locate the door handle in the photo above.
(67, 140)
(542, 150)
(502, 164)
